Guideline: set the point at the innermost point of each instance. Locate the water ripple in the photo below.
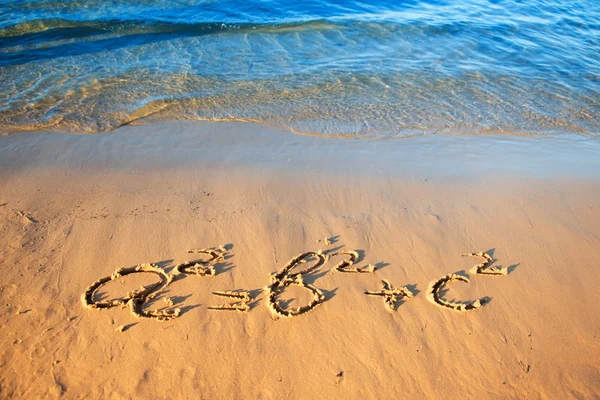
(317, 67)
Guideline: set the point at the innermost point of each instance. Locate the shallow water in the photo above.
(344, 68)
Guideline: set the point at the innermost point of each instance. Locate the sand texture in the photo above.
(345, 263)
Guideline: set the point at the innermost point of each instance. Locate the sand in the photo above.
(75, 208)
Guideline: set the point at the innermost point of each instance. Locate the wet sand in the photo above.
(74, 208)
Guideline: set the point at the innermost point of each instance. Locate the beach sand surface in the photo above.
(73, 208)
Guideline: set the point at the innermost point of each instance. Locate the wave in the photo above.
(329, 67)
(67, 29)
(342, 106)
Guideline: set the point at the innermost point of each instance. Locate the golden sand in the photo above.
(120, 210)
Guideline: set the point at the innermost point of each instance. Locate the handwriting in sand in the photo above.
(138, 300)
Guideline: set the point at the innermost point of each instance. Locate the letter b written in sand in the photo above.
(282, 279)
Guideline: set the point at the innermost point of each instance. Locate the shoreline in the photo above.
(179, 145)
(75, 208)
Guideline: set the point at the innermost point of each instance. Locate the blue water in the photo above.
(346, 68)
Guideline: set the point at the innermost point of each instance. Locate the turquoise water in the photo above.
(368, 69)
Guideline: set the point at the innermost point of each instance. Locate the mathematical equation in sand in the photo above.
(137, 300)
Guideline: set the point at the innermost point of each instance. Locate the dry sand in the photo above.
(75, 208)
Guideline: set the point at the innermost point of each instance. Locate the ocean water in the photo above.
(346, 68)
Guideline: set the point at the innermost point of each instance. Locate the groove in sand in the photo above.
(136, 299)
(344, 265)
(391, 295)
(433, 294)
(484, 268)
(283, 278)
(241, 305)
(202, 268)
